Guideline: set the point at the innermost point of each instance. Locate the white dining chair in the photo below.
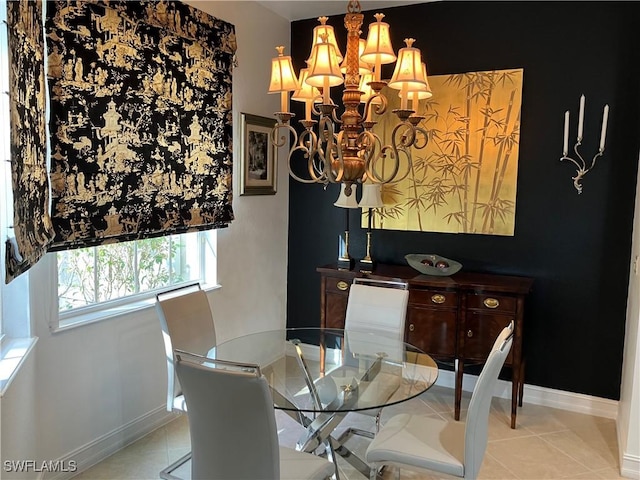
(375, 308)
(186, 321)
(232, 425)
(428, 444)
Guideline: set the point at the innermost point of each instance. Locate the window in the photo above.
(15, 333)
(96, 282)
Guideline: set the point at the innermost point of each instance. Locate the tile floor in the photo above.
(548, 444)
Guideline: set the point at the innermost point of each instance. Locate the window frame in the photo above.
(96, 312)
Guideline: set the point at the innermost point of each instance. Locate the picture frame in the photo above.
(258, 163)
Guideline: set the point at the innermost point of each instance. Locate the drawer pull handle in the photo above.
(437, 298)
(342, 285)
(469, 333)
(411, 327)
(491, 302)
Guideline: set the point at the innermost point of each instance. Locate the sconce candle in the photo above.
(581, 119)
(565, 145)
(603, 133)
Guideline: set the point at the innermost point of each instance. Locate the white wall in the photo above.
(629, 406)
(85, 392)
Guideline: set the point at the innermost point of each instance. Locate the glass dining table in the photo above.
(317, 376)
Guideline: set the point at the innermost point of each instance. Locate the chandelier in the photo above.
(345, 150)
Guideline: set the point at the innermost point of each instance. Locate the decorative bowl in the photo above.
(420, 261)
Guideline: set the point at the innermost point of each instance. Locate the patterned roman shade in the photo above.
(27, 100)
(141, 121)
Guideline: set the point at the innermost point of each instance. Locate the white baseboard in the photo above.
(547, 397)
(630, 466)
(97, 450)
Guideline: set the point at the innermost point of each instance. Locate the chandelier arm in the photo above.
(370, 171)
(385, 152)
(335, 118)
(422, 138)
(368, 141)
(339, 154)
(407, 140)
(397, 146)
(329, 138)
(308, 145)
(378, 108)
(280, 141)
(407, 137)
(407, 153)
(313, 177)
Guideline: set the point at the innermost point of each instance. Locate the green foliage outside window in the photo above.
(93, 275)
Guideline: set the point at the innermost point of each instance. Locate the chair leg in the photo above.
(375, 473)
(166, 473)
(379, 414)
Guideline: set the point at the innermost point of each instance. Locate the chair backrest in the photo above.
(475, 435)
(231, 420)
(377, 306)
(187, 324)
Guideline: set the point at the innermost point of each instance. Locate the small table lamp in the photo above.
(371, 198)
(347, 202)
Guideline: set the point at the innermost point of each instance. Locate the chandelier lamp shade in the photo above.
(345, 150)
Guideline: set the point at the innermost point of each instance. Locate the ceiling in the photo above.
(303, 9)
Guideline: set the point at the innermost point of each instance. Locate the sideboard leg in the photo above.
(459, 368)
(521, 386)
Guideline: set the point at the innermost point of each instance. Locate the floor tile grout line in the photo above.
(572, 457)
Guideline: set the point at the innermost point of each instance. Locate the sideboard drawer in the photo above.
(433, 298)
(491, 303)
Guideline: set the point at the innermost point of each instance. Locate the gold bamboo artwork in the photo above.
(464, 180)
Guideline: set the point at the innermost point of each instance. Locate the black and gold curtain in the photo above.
(141, 121)
(27, 100)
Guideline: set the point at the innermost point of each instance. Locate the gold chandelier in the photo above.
(354, 154)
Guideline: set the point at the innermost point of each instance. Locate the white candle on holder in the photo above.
(581, 118)
(603, 132)
(326, 96)
(565, 145)
(307, 109)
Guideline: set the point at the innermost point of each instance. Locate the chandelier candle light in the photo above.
(345, 150)
(580, 164)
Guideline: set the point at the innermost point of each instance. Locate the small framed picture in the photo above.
(258, 156)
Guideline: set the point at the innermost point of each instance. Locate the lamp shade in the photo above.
(422, 93)
(283, 78)
(371, 196)
(408, 75)
(345, 201)
(322, 30)
(323, 67)
(378, 49)
(306, 91)
(365, 88)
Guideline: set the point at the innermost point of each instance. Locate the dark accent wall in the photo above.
(577, 247)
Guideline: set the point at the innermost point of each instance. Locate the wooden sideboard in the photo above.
(451, 318)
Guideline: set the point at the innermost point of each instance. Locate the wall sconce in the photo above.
(581, 164)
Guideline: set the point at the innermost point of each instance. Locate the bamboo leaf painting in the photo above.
(464, 180)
